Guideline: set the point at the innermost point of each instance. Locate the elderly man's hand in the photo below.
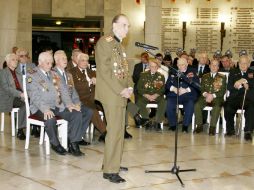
(48, 115)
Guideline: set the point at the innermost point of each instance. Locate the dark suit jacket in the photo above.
(205, 70)
(138, 68)
(86, 93)
(234, 75)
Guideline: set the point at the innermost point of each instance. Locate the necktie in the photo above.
(64, 77)
(23, 70)
(200, 72)
(48, 75)
(145, 67)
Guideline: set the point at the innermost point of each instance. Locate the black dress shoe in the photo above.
(185, 129)
(172, 128)
(35, 132)
(102, 137)
(21, 135)
(123, 169)
(198, 129)
(74, 149)
(138, 119)
(230, 133)
(127, 135)
(59, 149)
(247, 136)
(113, 177)
(84, 143)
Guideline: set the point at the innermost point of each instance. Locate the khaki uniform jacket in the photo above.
(111, 70)
(151, 84)
(216, 85)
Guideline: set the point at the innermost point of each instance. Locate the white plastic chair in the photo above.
(33, 120)
(14, 112)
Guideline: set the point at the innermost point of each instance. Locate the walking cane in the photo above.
(241, 117)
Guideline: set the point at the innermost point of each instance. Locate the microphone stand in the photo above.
(175, 169)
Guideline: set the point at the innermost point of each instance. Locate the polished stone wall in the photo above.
(24, 30)
(68, 8)
(8, 27)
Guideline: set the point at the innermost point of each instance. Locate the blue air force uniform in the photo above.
(190, 82)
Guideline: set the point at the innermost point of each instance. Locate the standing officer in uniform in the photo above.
(187, 94)
(49, 99)
(68, 83)
(239, 80)
(112, 90)
(213, 88)
(151, 87)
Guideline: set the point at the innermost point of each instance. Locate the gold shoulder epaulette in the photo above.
(109, 38)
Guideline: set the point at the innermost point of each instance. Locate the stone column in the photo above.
(153, 23)
(8, 27)
(111, 8)
(24, 30)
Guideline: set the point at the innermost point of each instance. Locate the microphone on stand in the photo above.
(146, 46)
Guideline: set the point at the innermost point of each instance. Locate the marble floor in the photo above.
(221, 163)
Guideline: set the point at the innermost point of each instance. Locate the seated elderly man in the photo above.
(213, 88)
(240, 80)
(84, 81)
(188, 92)
(66, 78)
(11, 92)
(48, 100)
(150, 88)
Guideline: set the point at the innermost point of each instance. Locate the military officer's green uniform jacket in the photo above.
(111, 78)
(151, 84)
(217, 86)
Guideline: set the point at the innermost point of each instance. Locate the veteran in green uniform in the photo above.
(151, 87)
(112, 90)
(213, 88)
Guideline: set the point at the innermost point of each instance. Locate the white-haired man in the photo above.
(11, 92)
(48, 99)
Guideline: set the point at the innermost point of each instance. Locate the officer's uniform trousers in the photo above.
(188, 107)
(115, 116)
(75, 127)
(215, 112)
